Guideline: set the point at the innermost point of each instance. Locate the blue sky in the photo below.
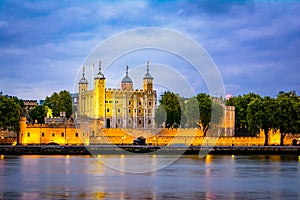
(255, 44)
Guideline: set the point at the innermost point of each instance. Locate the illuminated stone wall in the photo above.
(88, 133)
(62, 134)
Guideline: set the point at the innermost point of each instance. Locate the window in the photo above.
(53, 134)
(28, 134)
(140, 103)
(119, 121)
(149, 122)
(107, 110)
(119, 110)
(62, 134)
(43, 134)
(149, 103)
(129, 110)
(140, 121)
(129, 102)
(76, 134)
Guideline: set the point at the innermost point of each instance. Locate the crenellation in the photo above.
(111, 104)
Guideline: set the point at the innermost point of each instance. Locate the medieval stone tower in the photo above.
(118, 108)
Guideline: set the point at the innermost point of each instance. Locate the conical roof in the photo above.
(100, 75)
(148, 75)
(83, 79)
(126, 79)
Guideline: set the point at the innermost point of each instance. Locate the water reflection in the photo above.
(190, 177)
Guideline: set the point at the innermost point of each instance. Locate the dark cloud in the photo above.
(255, 45)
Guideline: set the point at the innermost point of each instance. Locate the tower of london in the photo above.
(123, 107)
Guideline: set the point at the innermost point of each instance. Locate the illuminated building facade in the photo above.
(118, 108)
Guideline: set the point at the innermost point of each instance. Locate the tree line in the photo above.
(57, 102)
(252, 113)
(199, 111)
(12, 108)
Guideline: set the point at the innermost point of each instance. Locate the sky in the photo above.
(255, 45)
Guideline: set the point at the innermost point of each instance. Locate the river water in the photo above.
(190, 177)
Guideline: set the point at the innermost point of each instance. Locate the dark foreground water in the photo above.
(190, 177)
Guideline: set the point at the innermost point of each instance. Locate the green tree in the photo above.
(10, 111)
(191, 112)
(60, 102)
(171, 104)
(288, 115)
(261, 114)
(205, 108)
(53, 103)
(38, 113)
(160, 115)
(182, 102)
(217, 111)
(241, 105)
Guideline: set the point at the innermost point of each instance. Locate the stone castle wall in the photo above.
(88, 134)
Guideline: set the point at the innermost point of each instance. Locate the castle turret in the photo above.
(22, 137)
(99, 95)
(83, 83)
(127, 83)
(83, 87)
(148, 80)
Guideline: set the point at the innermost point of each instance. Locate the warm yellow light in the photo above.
(1, 157)
(99, 156)
(122, 156)
(67, 156)
(208, 159)
(232, 156)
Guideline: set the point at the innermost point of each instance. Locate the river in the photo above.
(189, 177)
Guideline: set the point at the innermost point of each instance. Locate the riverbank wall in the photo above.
(68, 134)
(157, 150)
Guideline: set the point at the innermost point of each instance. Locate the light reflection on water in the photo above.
(190, 177)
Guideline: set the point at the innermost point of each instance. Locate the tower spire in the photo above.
(100, 75)
(127, 70)
(83, 79)
(83, 69)
(148, 75)
(147, 66)
(99, 66)
(93, 67)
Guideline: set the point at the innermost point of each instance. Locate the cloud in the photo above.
(49, 40)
